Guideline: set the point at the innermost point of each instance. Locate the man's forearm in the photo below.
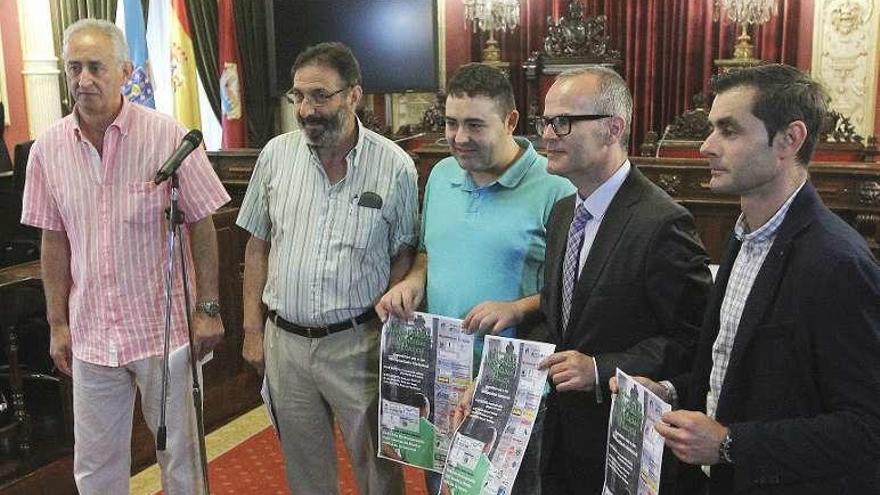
(204, 254)
(408, 265)
(55, 267)
(529, 306)
(256, 265)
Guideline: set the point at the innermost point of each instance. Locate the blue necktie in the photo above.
(570, 265)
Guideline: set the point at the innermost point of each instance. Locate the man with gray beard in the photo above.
(332, 212)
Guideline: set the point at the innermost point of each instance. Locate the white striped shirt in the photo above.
(113, 216)
(330, 257)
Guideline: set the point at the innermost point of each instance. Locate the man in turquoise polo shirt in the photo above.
(483, 231)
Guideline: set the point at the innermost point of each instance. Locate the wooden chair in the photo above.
(37, 427)
(572, 42)
(13, 307)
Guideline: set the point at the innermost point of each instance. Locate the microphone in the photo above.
(407, 138)
(662, 140)
(191, 141)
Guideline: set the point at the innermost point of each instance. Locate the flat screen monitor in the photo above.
(395, 41)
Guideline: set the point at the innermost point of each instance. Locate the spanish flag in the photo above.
(183, 68)
(231, 87)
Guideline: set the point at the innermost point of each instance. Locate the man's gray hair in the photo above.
(107, 28)
(612, 96)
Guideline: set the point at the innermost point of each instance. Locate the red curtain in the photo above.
(668, 47)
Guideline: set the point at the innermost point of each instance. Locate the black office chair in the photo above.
(22, 152)
(34, 395)
(18, 243)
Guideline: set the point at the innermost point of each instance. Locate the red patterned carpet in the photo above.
(255, 466)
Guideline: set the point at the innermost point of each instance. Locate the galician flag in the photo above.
(130, 19)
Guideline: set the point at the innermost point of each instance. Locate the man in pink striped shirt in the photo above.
(89, 189)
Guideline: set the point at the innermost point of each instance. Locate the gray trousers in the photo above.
(314, 382)
(103, 404)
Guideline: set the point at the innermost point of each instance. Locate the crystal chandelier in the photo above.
(489, 16)
(749, 11)
(745, 13)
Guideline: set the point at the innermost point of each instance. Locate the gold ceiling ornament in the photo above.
(489, 16)
(745, 13)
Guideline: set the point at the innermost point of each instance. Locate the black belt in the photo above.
(318, 332)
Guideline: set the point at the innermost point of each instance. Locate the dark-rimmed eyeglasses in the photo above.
(561, 124)
(315, 98)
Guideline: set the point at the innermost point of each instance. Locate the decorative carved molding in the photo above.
(576, 35)
(573, 41)
(692, 125)
(850, 189)
(368, 118)
(869, 193)
(649, 146)
(669, 183)
(868, 224)
(839, 129)
(844, 57)
(847, 17)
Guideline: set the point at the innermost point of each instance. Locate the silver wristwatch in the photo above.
(724, 449)
(210, 308)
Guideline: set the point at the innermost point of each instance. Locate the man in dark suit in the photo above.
(626, 280)
(783, 397)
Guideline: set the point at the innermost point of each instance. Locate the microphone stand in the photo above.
(175, 220)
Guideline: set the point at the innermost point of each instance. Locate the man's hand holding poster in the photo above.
(635, 449)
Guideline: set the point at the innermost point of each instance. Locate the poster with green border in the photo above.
(488, 447)
(425, 368)
(635, 449)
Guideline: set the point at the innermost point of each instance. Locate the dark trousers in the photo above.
(573, 463)
(563, 477)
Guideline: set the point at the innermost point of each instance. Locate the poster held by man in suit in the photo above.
(635, 449)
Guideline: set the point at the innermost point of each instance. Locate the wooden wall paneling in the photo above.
(850, 189)
(234, 167)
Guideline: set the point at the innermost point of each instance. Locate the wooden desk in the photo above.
(850, 189)
(234, 167)
(24, 273)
